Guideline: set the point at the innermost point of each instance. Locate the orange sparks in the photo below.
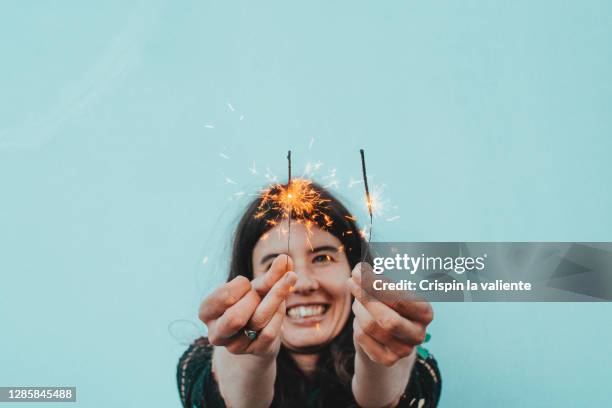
(298, 200)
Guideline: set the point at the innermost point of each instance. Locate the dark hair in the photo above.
(335, 365)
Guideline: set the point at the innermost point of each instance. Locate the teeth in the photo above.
(306, 311)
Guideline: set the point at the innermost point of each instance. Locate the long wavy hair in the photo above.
(335, 365)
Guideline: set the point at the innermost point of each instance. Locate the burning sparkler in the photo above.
(300, 201)
(297, 199)
(289, 197)
(367, 191)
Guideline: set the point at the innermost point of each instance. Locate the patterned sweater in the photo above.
(198, 387)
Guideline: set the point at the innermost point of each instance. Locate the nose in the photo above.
(306, 282)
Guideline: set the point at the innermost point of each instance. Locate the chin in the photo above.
(310, 326)
(304, 338)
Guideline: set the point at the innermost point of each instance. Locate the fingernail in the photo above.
(290, 277)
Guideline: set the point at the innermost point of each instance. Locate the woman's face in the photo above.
(319, 305)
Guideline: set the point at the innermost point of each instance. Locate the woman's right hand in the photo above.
(258, 305)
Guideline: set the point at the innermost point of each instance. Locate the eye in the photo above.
(323, 258)
(267, 266)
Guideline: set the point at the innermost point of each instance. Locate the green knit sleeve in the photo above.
(425, 386)
(196, 383)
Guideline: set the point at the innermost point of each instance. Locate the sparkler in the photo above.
(367, 191)
(297, 200)
(289, 166)
(290, 209)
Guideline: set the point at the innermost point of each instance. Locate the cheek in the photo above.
(341, 304)
(336, 285)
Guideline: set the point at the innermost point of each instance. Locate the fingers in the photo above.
(238, 343)
(233, 319)
(269, 305)
(405, 303)
(268, 340)
(224, 297)
(388, 319)
(375, 351)
(238, 303)
(279, 267)
(371, 328)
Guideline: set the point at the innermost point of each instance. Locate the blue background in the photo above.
(486, 121)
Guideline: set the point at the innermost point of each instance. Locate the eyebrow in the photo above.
(315, 250)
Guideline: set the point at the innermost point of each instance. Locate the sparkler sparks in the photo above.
(297, 202)
(331, 175)
(269, 176)
(300, 202)
(332, 184)
(353, 182)
(298, 199)
(312, 168)
(381, 206)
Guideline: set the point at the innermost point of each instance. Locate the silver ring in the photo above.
(251, 334)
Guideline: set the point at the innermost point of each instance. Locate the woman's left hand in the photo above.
(388, 325)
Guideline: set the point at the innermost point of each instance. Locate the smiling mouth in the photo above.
(307, 311)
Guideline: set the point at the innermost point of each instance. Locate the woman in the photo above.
(292, 326)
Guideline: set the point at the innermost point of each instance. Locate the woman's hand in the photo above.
(258, 305)
(387, 325)
(246, 369)
(386, 329)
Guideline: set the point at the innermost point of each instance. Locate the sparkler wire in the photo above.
(290, 208)
(368, 198)
(367, 190)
